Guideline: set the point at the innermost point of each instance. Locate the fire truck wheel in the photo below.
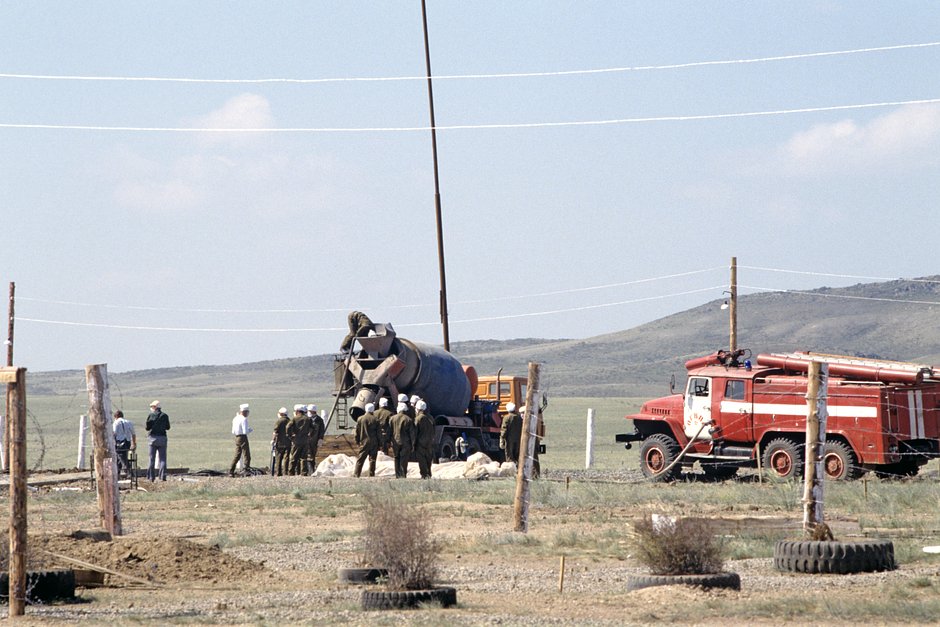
(657, 452)
(783, 459)
(840, 462)
(827, 556)
(716, 580)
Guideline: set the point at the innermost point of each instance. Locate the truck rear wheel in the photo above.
(783, 459)
(657, 452)
(840, 462)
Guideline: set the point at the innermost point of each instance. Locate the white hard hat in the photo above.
(383, 402)
(415, 398)
(312, 407)
(370, 407)
(300, 408)
(155, 404)
(510, 407)
(282, 411)
(402, 398)
(243, 407)
(421, 405)
(402, 407)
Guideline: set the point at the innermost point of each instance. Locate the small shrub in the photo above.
(397, 537)
(681, 547)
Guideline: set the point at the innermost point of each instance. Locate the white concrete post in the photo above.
(82, 431)
(589, 443)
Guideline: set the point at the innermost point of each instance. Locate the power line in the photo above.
(841, 276)
(334, 329)
(454, 127)
(842, 296)
(362, 307)
(610, 70)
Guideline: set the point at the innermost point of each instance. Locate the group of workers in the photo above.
(125, 441)
(409, 431)
(294, 441)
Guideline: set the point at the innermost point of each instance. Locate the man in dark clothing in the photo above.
(402, 429)
(359, 326)
(383, 414)
(157, 425)
(367, 437)
(510, 433)
(318, 431)
(281, 443)
(300, 431)
(424, 439)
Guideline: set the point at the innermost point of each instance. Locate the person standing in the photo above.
(367, 437)
(158, 424)
(125, 440)
(510, 433)
(359, 326)
(318, 431)
(383, 414)
(240, 430)
(424, 439)
(280, 442)
(299, 430)
(402, 429)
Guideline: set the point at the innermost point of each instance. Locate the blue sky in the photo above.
(182, 247)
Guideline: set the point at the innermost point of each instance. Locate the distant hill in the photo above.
(635, 362)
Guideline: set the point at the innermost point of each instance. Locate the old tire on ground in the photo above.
(361, 575)
(783, 459)
(657, 452)
(840, 462)
(715, 580)
(389, 600)
(43, 586)
(827, 556)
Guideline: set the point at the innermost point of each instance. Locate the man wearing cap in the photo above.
(318, 431)
(424, 439)
(300, 429)
(510, 433)
(403, 439)
(124, 440)
(280, 443)
(240, 430)
(157, 425)
(383, 414)
(367, 437)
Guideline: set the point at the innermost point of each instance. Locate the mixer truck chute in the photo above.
(388, 365)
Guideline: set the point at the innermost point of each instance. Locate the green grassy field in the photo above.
(200, 429)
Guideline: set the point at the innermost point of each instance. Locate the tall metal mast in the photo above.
(437, 184)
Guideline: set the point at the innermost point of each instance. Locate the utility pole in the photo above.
(15, 378)
(733, 307)
(437, 184)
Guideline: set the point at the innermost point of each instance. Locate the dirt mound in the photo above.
(159, 559)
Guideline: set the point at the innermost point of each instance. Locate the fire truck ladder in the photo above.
(926, 371)
(340, 406)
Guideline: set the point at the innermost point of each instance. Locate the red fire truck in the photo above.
(883, 416)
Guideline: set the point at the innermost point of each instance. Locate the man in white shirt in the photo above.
(124, 440)
(240, 430)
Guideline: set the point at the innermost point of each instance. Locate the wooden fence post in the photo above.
(106, 473)
(527, 451)
(15, 378)
(815, 440)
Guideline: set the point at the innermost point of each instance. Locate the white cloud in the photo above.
(243, 111)
(845, 145)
